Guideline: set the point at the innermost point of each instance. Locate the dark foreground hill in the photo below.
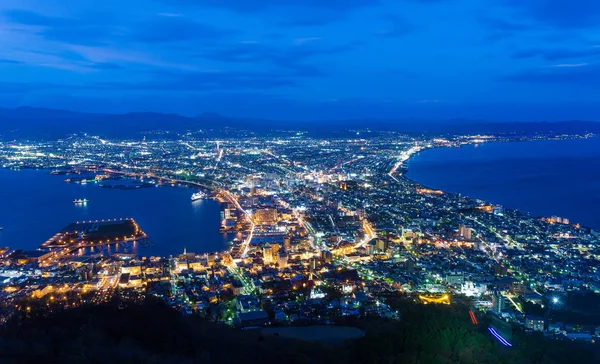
(153, 333)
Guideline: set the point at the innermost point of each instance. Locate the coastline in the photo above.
(412, 180)
(196, 227)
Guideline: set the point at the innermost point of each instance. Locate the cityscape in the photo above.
(300, 182)
(324, 229)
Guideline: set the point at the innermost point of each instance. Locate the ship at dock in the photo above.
(198, 196)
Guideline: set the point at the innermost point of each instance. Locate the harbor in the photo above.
(167, 215)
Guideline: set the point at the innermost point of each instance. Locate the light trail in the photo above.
(473, 318)
(495, 334)
(514, 303)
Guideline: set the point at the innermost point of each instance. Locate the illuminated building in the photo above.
(381, 245)
(267, 253)
(267, 216)
(326, 256)
(498, 302)
(466, 232)
(534, 323)
(282, 259)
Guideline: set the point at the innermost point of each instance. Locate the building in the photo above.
(254, 318)
(466, 232)
(247, 303)
(534, 323)
(326, 256)
(268, 253)
(268, 216)
(498, 303)
(455, 279)
(282, 259)
(381, 245)
(33, 256)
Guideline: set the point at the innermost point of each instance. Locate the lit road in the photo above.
(246, 243)
(369, 233)
(404, 156)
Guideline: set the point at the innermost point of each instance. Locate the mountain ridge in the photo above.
(32, 122)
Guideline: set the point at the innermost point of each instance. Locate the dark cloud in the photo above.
(557, 54)
(93, 30)
(206, 81)
(397, 27)
(499, 24)
(310, 18)
(497, 28)
(582, 74)
(166, 81)
(560, 13)
(25, 87)
(292, 58)
(245, 6)
(31, 18)
(98, 29)
(175, 29)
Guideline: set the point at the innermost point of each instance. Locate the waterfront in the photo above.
(36, 205)
(543, 178)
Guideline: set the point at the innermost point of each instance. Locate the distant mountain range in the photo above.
(30, 122)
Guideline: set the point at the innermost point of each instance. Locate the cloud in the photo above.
(244, 6)
(557, 54)
(588, 75)
(25, 87)
(306, 40)
(292, 59)
(206, 81)
(398, 26)
(570, 65)
(167, 81)
(560, 13)
(25, 17)
(93, 30)
(175, 29)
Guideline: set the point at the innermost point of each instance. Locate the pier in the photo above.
(92, 234)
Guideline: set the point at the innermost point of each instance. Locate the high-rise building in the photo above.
(381, 245)
(498, 302)
(268, 253)
(282, 259)
(466, 232)
(326, 256)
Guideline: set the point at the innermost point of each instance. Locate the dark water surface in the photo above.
(544, 178)
(35, 205)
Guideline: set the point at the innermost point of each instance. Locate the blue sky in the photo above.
(306, 59)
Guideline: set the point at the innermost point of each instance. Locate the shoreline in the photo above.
(221, 241)
(412, 181)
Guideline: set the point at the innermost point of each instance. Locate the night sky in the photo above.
(301, 59)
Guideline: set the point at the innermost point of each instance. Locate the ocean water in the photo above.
(35, 205)
(543, 178)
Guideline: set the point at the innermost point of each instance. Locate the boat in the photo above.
(80, 201)
(1, 228)
(198, 196)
